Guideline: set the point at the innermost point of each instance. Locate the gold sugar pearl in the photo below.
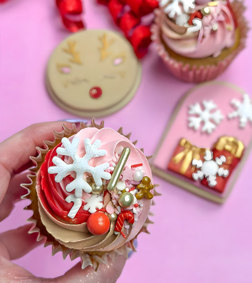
(112, 217)
(206, 11)
(126, 199)
(96, 190)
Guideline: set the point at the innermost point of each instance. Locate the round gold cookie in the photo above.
(93, 73)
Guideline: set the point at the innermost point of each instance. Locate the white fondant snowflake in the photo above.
(93, 203)
(206, 116)
(210, 168)
(80, 165)
(244, 110)
(173, 8)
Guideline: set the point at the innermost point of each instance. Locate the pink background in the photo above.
(193, 240)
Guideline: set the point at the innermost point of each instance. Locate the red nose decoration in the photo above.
(95, 92)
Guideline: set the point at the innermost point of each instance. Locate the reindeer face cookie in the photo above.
(93, 73)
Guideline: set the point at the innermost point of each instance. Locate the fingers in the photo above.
(104, 274)
(16, 150)
(10, 272)
(14, 189)
(18, 242)
(14, 193)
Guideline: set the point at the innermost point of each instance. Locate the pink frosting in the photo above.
(110, 141)
(204, 42)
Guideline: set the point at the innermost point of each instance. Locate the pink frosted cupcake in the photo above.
(91, 193)
(198, 39)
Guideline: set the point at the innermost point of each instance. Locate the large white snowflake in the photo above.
(244, 110)
(210, 168)
(173, 8)
(80, 165)
(205, 116)
(93, 203)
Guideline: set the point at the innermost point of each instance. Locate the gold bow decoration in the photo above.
(189, 153)
(230, 144)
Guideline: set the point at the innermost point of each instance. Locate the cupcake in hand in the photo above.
(91, 193)
(198, 39)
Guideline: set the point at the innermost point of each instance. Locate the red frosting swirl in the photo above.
(52, 194)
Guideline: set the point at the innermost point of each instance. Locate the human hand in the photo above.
(14, 159)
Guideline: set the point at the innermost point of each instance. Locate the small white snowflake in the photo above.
(244, 110)
(80, 165)
(173, 8)
(210, 168)
(93, 203)
(206, 116)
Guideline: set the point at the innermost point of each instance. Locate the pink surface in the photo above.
(193, 240)
(221, 95)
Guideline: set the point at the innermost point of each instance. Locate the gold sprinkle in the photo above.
(213, 4)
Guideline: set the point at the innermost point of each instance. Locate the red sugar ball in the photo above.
(98, 223)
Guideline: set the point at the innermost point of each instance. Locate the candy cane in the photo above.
(75, 208)
(125, 215)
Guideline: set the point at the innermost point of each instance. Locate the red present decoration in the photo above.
(232, 149)
(185, 153)
(183, 156)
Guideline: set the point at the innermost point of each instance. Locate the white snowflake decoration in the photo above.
(94, 203)
(244, 110)
(206, 116)
(210, 168)
(173, 8)
(80, 165)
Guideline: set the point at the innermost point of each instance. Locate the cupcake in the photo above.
(198, 39)
(90, 192)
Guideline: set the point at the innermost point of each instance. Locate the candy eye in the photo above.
(64, 69)
(118, 61)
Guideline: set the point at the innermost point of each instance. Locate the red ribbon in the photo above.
(69, 9)
(115, 9)
(138, 34)
(142, 7)
(140, 40)
(128, 22)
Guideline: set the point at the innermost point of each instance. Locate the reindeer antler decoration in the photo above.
(71, 50)
(105, 45)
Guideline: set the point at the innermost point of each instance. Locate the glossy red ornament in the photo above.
(98, 223)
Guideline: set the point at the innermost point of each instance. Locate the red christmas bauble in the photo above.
(98, 223)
